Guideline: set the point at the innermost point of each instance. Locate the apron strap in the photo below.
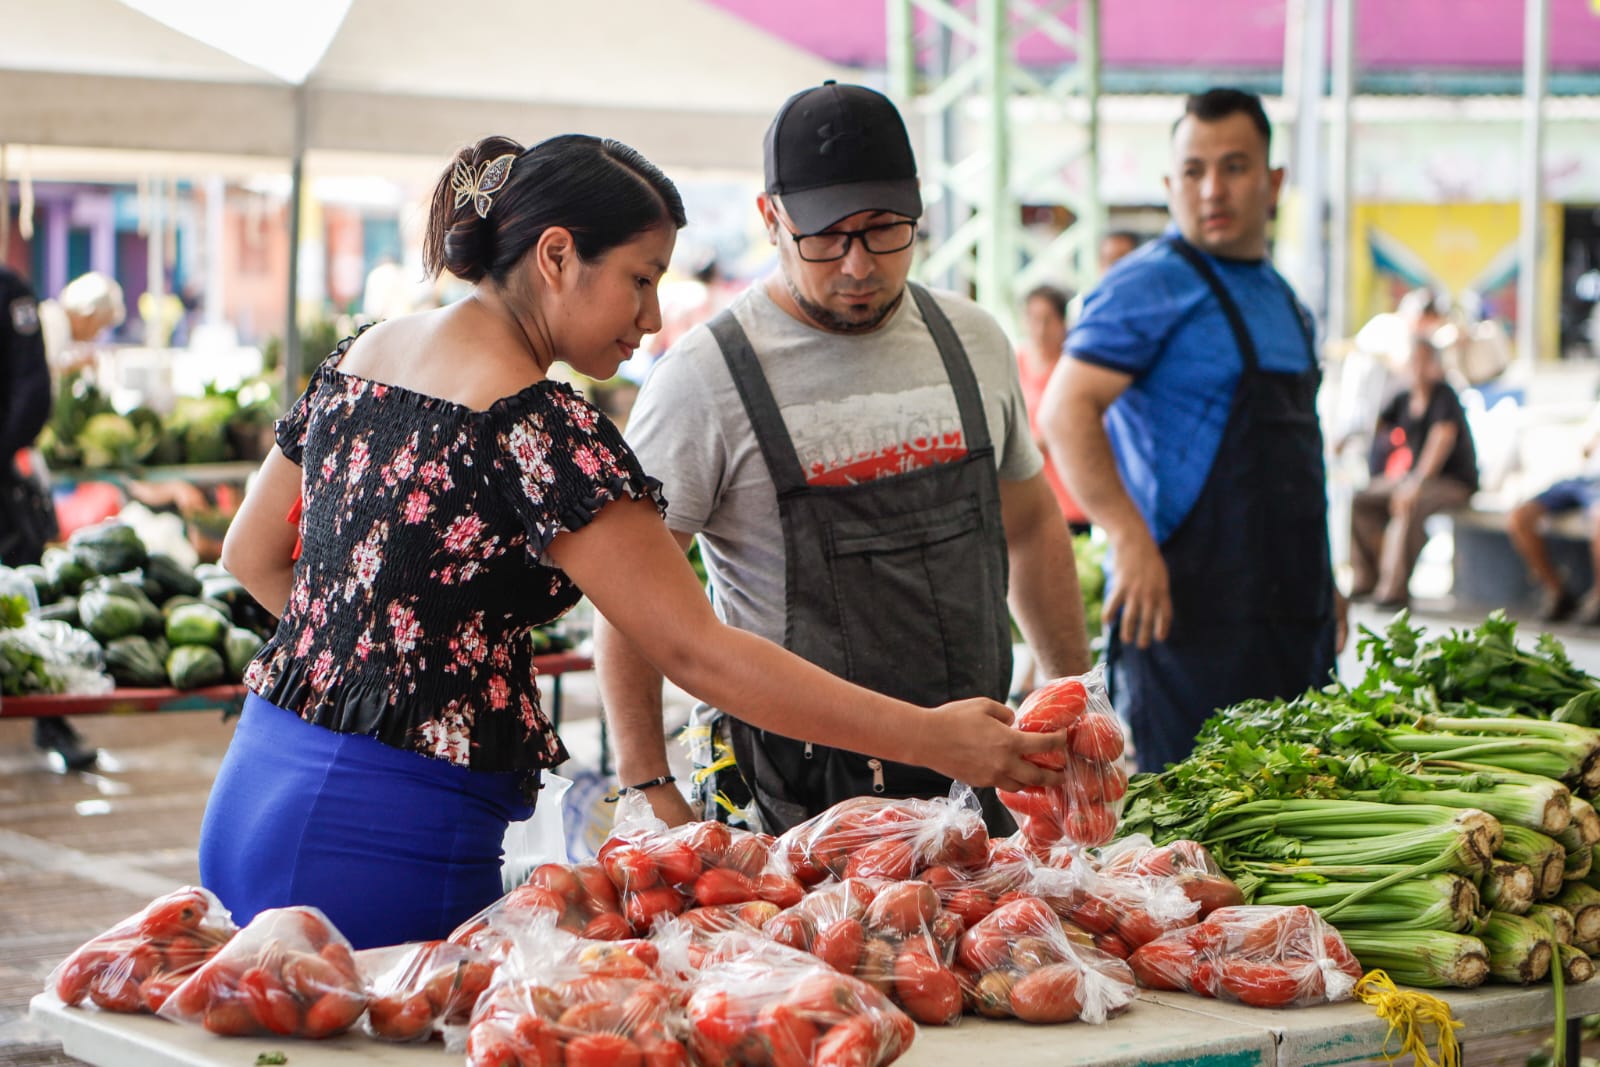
(969, 401)
(777, 447)
(1230, 309)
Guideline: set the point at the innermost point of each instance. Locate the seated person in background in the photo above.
(1569, 494)
(1423, 461)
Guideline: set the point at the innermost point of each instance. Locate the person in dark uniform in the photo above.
(1185, 424)
(853, 453)
(26, 515)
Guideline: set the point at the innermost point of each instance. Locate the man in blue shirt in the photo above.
(1185, 423)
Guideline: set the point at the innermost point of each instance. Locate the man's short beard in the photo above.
(836, 323)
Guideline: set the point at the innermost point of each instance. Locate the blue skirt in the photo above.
(393, 846)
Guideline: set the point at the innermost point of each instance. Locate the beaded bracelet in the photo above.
(665, 779)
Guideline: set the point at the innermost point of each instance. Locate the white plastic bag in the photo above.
(539, 839)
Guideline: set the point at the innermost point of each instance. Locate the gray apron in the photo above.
(897, 584)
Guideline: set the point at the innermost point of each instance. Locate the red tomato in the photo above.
(400, 1018)
(607, 926)
(1092, 824)
(747, 854)
(1031, 800)
(1097, 737)
(721, 885)
(678, 863)
(853, 1043)
(709, 841)
(971, 904)
(1053, 706)
(643, 907)
(1258, 984)
(1165, 963)
(1210, 891)
(631, 868)
(176, 912)
(793, 928)
(560, 879)
(893, 858)
(928, 990)
(1051, 994)
(603, 1050)
(599, 888)
(780, 889)
(984, 948)
(839, 945)
(903, 907)
(788, 1035)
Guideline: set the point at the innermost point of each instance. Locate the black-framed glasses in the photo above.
(835, 244)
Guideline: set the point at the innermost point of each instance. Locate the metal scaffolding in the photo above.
(953, 65)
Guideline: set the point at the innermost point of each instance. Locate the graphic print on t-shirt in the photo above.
(876, 435)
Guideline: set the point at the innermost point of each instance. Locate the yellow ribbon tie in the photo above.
(1409, 1013)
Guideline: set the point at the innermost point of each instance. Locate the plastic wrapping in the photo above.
(1119, 908)
(767, 1004)
(1264, 956)
(660, 871)
(1186, 864)
(1018, 962)
(898, 937)
(579, 896)
(1084, 809)
(874, 837)
(138, 963)
(417, 989)
(290, 972)
(560, 999)
(48, 656)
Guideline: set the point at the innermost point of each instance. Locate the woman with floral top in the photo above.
(451, 497)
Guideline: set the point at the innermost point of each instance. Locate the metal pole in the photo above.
(1339, 141)
(291, 327)
(1530, 240)
(1308, 163)
(997, 260)
(1094, 217)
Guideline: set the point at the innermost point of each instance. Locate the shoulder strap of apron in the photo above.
(1230, 309)
(777, 447)
(969, 401)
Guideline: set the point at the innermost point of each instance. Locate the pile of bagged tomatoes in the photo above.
(702, 944)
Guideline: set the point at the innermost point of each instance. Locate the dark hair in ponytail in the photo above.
(603, 191)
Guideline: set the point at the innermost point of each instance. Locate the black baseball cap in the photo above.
(836, 150)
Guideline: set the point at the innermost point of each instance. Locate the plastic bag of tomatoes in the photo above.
(1264, 956)
(417, 989)
(666, 871)
(898, 937)
(769, 1005)
(1183, 863)
(875, 837)
(1019, 962)
(578, 895)
(290, 972)
(1084, 809)
(1121, 910)
(135, 965)
(581, 1020)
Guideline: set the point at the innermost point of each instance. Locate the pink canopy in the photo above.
(1469, 35)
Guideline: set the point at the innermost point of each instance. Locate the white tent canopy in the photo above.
(686, 83)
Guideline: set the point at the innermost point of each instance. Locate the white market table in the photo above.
(1159, 1028)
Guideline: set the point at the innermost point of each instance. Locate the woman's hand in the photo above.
(973, 741)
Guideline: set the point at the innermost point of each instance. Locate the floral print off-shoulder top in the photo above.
(422, 570)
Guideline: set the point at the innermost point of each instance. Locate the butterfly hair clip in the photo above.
(478, 188)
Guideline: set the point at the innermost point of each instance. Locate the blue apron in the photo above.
(1249, 567)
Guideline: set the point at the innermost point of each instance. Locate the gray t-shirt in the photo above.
(857, 406)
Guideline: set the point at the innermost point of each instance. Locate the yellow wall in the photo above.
(1456, 247)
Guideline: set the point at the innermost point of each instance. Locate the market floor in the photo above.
(79, 852)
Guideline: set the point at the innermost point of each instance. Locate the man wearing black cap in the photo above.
(853, 453)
